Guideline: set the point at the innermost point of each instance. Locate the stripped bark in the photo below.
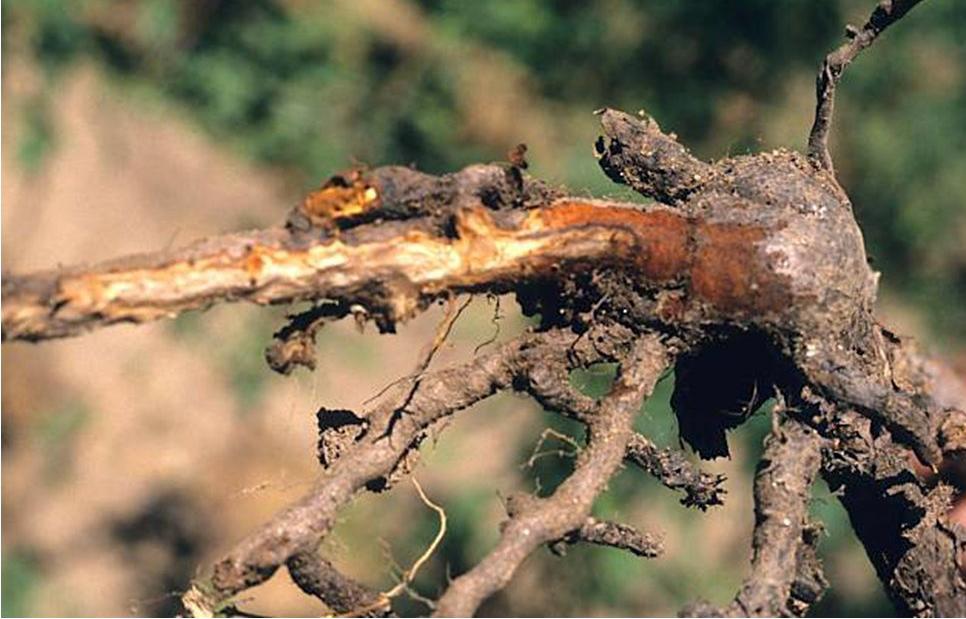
(751, 270)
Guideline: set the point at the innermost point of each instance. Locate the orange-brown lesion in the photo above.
(342, 197)
(731, 271)
(661, 235)
(721, 266)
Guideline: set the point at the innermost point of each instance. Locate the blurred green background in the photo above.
(301, 89)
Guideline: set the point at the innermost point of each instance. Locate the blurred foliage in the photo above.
(242, 360)
(306, 87)
(902, 144)
(19, 578)
(55, 434)
(679, 59)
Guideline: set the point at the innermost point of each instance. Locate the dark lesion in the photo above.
(898, 514)
(316, 576)
(294, 343)
(721, 383)
(339, 429)
(613, 535)
(674, 469)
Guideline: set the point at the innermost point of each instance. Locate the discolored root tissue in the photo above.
(747, 277)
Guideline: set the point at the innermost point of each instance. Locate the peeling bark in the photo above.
(749, 272)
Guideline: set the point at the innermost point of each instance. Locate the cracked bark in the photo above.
(750, 270)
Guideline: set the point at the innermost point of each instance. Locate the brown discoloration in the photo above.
(343, 196)
(518, 156)
(254, 263)
(732, 273)
(671, 305)
(758, 246)
(661, 251)
(318, 577)
(761, 244)
(652, 244)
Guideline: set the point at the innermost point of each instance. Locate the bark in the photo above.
(318, 577)
(786, 576)
(536, 521)
(885, 14)
(749, 275)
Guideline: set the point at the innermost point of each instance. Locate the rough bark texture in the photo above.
(318, 577)
(902, 522)
(786, 576)
(885, 14)
(536, 521)
(748, 274)
(614, 535)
